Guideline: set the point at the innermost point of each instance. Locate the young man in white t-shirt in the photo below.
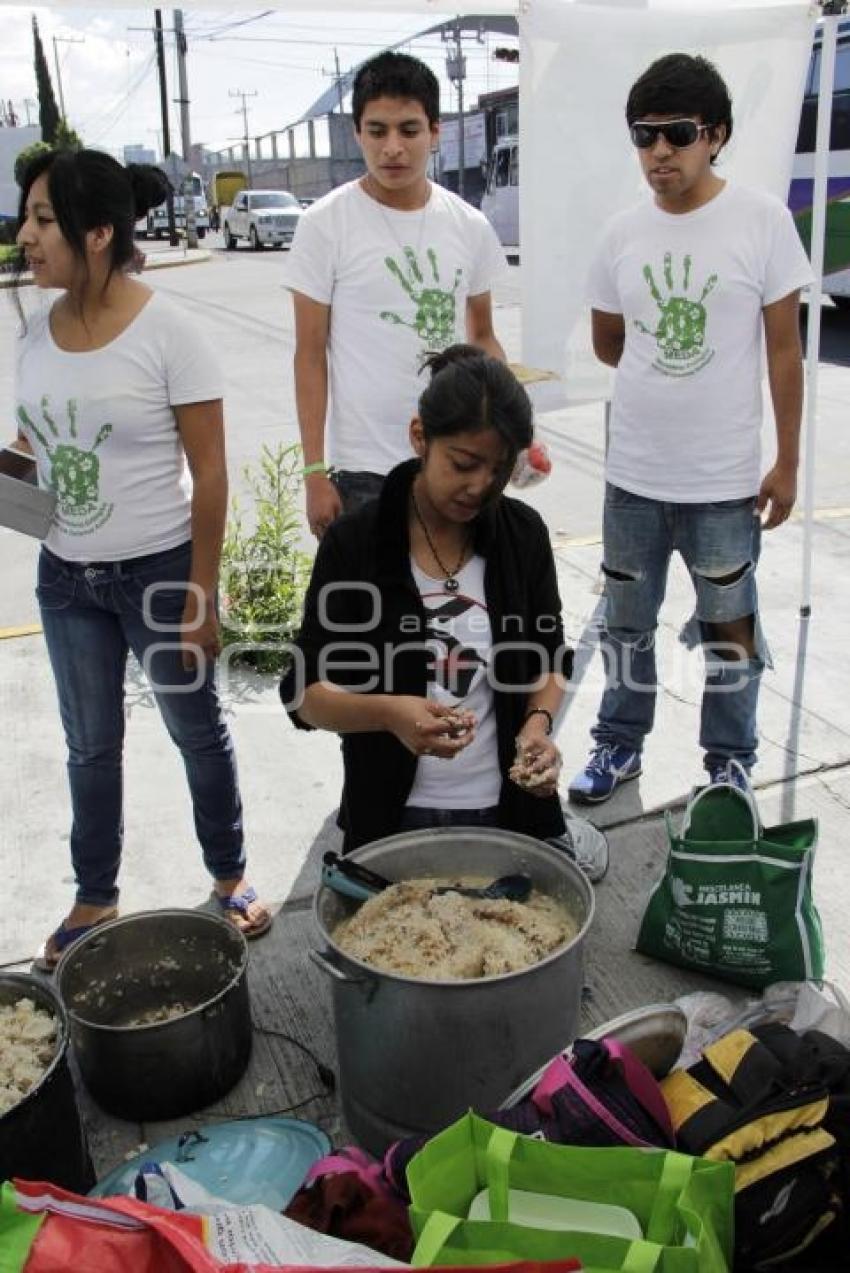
(383, 270)
(681, 291)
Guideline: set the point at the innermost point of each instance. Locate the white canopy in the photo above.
(429, 8)
(577, 62)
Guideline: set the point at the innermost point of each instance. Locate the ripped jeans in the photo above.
(718, 542)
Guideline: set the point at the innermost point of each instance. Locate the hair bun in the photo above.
(438, 359)
(150, 186)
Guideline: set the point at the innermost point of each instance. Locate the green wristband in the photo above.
(318, 467)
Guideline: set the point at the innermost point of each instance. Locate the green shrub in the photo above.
(26, 156)
(264, 572)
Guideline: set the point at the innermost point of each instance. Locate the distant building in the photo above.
(139, 155)
(12, 142)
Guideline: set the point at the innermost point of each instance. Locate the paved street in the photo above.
(291, 782)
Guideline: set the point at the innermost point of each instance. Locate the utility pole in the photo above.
(63, 39)
(238, 92)
(343, 129)
(157, 132)
(28, 102)
(163, 106)
(338, 77)
(456, 71)
(183, 99)
(338, 81)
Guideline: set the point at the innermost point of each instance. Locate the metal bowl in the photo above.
(189, 966)
(656, 1035)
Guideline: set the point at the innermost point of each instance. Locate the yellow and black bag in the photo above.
(777, 1105)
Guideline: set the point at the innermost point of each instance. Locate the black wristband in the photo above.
(541, 711)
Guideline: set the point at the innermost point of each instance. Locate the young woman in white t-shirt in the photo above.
(121, 406)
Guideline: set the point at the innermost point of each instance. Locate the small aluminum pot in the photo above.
(187, 962)
(415, 1054)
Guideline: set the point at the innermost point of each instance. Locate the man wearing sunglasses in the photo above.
(683, 290)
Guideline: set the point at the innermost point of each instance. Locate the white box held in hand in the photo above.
(23, 505)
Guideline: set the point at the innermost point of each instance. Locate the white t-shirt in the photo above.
(687, 407)
(460, 636)
(103, 430)
(397, 284)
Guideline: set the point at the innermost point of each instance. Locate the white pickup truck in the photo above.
(263, 217)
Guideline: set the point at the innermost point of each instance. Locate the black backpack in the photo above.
(777, 1104)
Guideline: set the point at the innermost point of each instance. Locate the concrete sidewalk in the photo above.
(291, 784)
(157, 256)
(291, 781)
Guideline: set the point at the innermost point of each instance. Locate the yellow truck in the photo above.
(223, 186)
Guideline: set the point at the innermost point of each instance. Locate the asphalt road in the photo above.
(240, 302)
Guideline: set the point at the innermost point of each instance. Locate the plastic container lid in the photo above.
(256, 1160)
(546, 1211)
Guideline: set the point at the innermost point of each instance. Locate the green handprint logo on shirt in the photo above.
(680, 334)
(74, 472)
(434, 320)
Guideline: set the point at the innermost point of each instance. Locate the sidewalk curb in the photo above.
(199, 257)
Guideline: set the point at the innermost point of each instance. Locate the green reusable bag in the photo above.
(684, 1205)
(735, 899)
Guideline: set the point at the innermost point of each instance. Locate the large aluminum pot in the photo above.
(414, 1055)
(187, 962)
(42, 1137)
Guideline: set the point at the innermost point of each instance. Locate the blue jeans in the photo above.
(93, 614)
(719, 544)
(356, 488)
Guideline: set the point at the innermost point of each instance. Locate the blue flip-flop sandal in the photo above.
(64, 937)
(234, 904)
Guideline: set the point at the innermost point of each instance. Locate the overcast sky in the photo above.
(109, 80)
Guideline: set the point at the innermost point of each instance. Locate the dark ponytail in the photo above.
(470, 391)
(150, 187)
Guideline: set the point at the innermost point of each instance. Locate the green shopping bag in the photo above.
(684, 1205)
(735, 899)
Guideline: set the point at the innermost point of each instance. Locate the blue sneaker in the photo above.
(607, 766)
(730, 773)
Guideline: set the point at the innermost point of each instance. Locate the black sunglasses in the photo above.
(676, 132)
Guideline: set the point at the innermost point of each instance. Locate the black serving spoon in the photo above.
(361, 883)
(510, 888)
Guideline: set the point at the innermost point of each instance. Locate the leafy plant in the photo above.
(24, 158)
(66, 139)
(264, 572)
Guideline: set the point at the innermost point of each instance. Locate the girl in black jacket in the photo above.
(432, 637)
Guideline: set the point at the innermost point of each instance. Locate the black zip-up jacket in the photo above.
(368, 632)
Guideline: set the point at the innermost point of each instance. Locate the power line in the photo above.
(240, 22)
(377, 43)
(116, 112)
(309, 69)
(121, 99)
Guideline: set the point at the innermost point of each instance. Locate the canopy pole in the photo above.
(826, 81)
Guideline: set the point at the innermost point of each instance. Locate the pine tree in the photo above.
(66, 137)
(48, 111)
